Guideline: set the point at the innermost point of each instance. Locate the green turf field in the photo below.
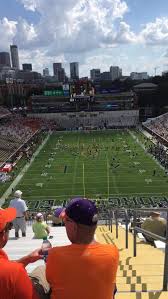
(98, 164)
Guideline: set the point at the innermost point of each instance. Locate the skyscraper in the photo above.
(14, 56)
(116, 72)
(27, 66)
(59, 72)
(74, 70)
(95, 74)
(5, 59)
(46, 72)
(56, 67)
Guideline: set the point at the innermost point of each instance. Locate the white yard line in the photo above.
(75, 167)
(74, 176)
(114, 180)
(108, 179)
(22, 173)
(84, 189)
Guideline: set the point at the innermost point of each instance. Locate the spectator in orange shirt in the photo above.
(14, 281)
(85, 269)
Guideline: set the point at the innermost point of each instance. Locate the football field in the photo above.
(100, 164)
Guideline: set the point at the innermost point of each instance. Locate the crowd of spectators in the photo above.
(159, 126)
(4, 112)
(160, 153)
(17, 130)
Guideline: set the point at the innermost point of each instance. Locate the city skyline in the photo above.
(10, 61)
(99, 33)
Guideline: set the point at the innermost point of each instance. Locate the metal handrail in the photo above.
(153, 236)
(143, 231)
(113, 213)
(151, 209)
(149, 234)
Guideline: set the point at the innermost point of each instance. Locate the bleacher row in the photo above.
(4, 112)
(15, 131)
(158, 125)
(108, 119)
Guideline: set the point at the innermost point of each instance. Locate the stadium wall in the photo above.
(109, 119)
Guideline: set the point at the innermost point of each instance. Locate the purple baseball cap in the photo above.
(82, 211)
(58, 212)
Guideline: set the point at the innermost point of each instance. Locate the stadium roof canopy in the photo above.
(145, 87)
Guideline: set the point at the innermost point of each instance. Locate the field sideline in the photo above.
(97, 164)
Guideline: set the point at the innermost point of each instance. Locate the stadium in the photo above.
(70, 144)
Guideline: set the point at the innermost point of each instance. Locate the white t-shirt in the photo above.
(20, 205)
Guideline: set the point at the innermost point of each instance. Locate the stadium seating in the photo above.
(4, 112)
(158, 126)
(110, 119)
(13, 133)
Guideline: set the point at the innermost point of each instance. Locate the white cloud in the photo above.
(74, 29)
(75, 26)
(125, 35)
(7, 33)
(155, 33)
(29, 4)
(26, 33)
(39, 59)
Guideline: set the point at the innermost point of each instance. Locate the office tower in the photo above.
(14, 56)
(56, 67)
(74, 70)
(46, 72)
(115, 72)
(95, 74)
(106, 76)
(59, 72)
(61, 75)
(5, 59)
(27, 66)
(139, 76)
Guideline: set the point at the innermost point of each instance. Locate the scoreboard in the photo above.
(60, 91)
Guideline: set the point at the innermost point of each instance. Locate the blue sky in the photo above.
(144, 11)
(13, 9)
(98, 33)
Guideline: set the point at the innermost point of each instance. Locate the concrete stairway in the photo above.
(138, 277)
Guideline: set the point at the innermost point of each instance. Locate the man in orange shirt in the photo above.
(85, 269)
(14, 281)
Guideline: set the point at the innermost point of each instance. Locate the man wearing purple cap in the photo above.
(85, 269)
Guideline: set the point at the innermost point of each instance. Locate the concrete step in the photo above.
(141, 273)
(140, 295)
(17, 248)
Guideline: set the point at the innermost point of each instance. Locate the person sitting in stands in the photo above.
(14, 281)
(154, 224)
(56, 220)
(85, 269)
(40, 228)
